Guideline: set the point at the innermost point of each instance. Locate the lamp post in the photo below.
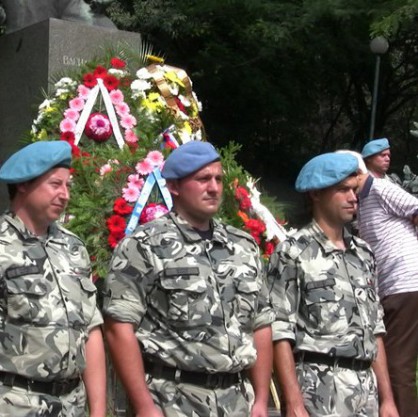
(378, 46)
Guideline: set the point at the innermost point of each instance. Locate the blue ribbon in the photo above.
(154, 177)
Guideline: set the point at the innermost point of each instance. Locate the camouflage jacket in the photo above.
(194, 303)
(325, 298)
(47, 302)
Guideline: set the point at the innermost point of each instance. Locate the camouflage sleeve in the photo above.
(97, 319)
(284, 292)
(380, 326)
(130, 276)
(265, 315)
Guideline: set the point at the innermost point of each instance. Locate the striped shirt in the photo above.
(385, 221)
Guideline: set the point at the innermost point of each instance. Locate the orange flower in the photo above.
(243, 216)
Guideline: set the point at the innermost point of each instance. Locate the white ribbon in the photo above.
(91, 100)
(273, 228)
(81, 124)
(111, 113)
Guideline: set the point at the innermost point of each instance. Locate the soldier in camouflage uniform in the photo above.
(328, 349)
(50, 341)
(187, 313)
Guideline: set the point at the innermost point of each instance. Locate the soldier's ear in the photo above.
(314, 195)
(173, 187)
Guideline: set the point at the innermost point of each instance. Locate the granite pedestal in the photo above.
(30, 59)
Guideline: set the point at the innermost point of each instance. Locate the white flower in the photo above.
(199, 104)
(174, 89)
(65, 82)
(45, 104)
(117, 72)
(183, 116)
(144, 74)
(61, 91)
(140, 86)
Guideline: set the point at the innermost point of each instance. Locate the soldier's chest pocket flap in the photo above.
(322, 291)
(324, 307)
(185, 295)
(25, 295)
(183, 279)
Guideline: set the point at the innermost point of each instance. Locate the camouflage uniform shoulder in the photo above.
(295, 244)
(360, 243)
(67, 233)
(153, 228)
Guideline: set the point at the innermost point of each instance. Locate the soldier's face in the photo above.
(198, 196)
(337, 204)
(46, 197)
(379, 163)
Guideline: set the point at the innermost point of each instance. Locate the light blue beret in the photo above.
(325, 171)
(34, 160)
(375, 146)
(189, 158)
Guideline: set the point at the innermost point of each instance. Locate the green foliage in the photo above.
(294, 78)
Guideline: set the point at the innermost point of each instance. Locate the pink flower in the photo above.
(71, 114)
(105, 169)
(116, 96)
(130, 194)
(135, 181)
(83, 92)
(144, 168)
(122, 109)
(130, 136)
(152, 211)
(98, 127)
(127, 121)
(67, 125)
(156, 158)
(77, 104)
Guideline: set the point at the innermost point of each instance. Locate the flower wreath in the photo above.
(147, 115)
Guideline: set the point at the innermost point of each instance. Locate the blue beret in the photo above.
(375, 146)
(189, 158)
(325, 171)
(34, 160)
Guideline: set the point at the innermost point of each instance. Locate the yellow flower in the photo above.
(42, 135)
(172, 76)
(187, 128)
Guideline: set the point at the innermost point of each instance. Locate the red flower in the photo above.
(117, 63)
(245, 204)
(68, 136)
(89, 80)
(113, 240)
(269, 248)
(110, 82)
(256, 226)
(241, 193)
(98, 127)
(100, 72)
(116, 224)
(256, 237)
(120, 206)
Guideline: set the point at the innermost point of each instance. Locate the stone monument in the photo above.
(31, 57)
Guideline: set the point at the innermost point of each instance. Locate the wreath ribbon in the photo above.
(157, 73)
(88, 107)
(154, 177)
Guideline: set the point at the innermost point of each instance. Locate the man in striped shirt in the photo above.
(387, 219)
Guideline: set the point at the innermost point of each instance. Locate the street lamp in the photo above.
(378, 46)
